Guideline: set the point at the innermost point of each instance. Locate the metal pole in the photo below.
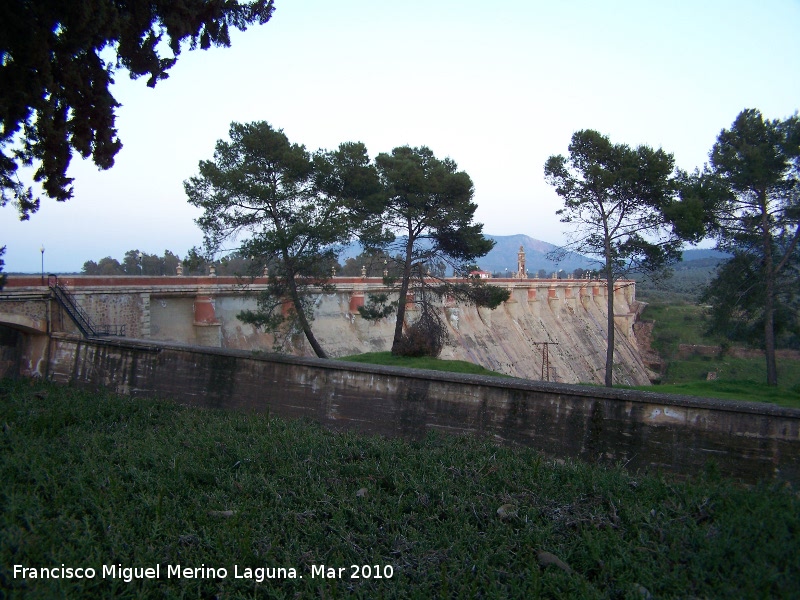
(545, 358)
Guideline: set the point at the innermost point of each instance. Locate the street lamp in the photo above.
(141, 265)
(41, 249)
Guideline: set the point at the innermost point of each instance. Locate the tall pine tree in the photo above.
(427, 211)
(616, 201)
(758, 221)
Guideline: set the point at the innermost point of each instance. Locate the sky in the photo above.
(496, 86)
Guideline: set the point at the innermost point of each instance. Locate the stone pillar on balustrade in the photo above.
(144, 321)
(624, 315)
(535, 293)
(411, 303)
(512, 299)
(586, 294)
(356, 301)
(207, 327)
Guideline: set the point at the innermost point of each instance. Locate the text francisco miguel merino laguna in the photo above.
(258, 574)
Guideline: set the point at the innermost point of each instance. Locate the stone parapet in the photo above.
(679, 434)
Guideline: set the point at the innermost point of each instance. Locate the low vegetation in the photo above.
(686, 284)
(94, 480)
(699, 364)
(751, 390)
(421, 362)
(676, 324)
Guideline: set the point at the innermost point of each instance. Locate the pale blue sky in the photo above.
(497, 86)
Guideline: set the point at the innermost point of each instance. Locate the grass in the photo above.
(678, 323)
(91, 479)
(421, 362)
(736, 378)
(732, 390)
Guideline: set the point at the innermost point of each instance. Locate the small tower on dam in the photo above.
(521, 272)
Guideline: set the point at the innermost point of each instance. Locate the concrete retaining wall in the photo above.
(643, 430)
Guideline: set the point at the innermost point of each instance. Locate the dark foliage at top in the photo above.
(289, 209)
(2, 264)
(58, 60)
(618, 203)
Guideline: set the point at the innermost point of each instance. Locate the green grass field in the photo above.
(736, 378)
(677, 323)
(421, 362)
(93, 480)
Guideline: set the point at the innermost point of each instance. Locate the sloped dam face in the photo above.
(569, 316)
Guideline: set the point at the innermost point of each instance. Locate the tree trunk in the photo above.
(609, 269)
(769, 300)
(304, 324)
(769, 332)
(609, 382)
(401, 304)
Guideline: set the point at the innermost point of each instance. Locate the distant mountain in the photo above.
(504, 255)
(704, 254)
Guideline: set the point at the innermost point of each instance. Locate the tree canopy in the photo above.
(3, 276)
(58, 61)
(757, 220)
(616, 202)
(737, 299)
(285, 208)
(426, 220)
(135, 262)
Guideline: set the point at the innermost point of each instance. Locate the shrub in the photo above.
(426, 337)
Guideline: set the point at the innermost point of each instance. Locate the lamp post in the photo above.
(141, 265)
(41, 249)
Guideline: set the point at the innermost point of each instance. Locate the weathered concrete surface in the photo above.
(571, 314)
(643, 430)
(10, 351)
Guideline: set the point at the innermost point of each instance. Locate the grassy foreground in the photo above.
(91, 480)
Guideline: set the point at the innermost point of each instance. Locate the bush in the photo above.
(426, 337)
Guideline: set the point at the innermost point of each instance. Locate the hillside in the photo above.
(690, 276)
(504, 255)
(694, 271)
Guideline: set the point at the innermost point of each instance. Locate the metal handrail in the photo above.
(74, 310)
(110, 329)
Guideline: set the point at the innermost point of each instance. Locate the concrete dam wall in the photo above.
(568, 314)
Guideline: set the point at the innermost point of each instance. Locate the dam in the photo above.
(553, 329)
